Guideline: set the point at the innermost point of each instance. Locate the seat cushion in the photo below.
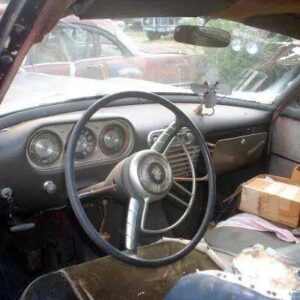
(234, 239)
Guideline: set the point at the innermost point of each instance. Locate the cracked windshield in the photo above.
(141, 53)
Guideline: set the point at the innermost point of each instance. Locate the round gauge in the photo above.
(45, 148)
(86, 144)
(112, 139)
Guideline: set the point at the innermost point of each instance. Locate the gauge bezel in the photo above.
(94, 146)
(102, 134)
(34, 136)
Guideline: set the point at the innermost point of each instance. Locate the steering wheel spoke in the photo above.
(106, 186)
(182, 188)
(96, 190)
(177, 200)
(165, 139)
(136, 211)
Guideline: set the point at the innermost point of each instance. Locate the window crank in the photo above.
(7, 194)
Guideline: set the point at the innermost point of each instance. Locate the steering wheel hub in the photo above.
(150, 174)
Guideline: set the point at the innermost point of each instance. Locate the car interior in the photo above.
(127, 189)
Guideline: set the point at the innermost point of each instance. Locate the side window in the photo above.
(79, 42)
(104, 47)
(72, 42)
(50, 50)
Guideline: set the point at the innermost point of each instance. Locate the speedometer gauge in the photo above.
(45, 148)
(113, 139)
(86, 144)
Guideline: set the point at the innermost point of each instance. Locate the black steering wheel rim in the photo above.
(76, 203)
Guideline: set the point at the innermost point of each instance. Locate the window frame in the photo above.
(97, 30)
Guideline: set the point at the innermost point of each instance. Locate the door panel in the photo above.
(281, 166)
(173, 68)
(106, 67)
(63, 68)
(285, 150)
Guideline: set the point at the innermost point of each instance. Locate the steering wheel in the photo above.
(144, 177)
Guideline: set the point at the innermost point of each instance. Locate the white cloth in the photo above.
(253, 222)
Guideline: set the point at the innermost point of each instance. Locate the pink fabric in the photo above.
(253, 222)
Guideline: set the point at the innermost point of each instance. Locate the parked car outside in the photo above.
(157, 27)
(99, 49)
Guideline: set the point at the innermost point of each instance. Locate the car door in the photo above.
(97, 54)
(50, 55)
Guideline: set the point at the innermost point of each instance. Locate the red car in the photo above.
(99, 49)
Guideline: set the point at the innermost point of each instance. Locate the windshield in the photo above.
(81, 58)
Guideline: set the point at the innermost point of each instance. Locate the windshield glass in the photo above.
(81, 58)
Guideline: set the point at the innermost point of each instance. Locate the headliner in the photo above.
(281, 16)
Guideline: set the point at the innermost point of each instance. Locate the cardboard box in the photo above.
(274, 198)
(296, 174)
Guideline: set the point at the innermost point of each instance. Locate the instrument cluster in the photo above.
(100, 141)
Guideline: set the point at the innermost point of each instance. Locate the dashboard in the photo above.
(33, 150)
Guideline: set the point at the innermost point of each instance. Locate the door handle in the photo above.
(99, 66)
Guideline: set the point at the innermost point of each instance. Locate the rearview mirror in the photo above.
(202, 36)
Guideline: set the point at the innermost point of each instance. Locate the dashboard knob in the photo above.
(243, 141)
(49, 187)
(189, 137)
